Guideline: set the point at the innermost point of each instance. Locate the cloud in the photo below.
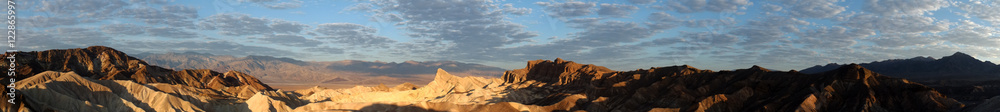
(123, 29)
(509, 8)
(30, 40)
(662, 21)
(133, 29)
(79, 36)
(970, 33)
(813, 8)
(64, 12)
(986, 11)
(242, 24)
(662, 42)
(768, 30)
(903, 40)
(257, 0)
(173, 15)
(691, 6)
(326, 49)
(172, 32)
(275, 4)
(470, 28)
(709, 22)
(609, 33)
(709, 38)
(45, 22)
(214, 47)
(771, 7)
(352, 34)
(903, 7)
(284, 5)
(832, 37)
(97, 9)
(568, 9)
(610, 53)
(289, 40)
(150, 1)
(287, 27)
(897, 24)
(616, 10)
(641, 1)
(235, 24)
(780, 57)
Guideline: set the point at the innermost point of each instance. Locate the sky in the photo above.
(619, 34)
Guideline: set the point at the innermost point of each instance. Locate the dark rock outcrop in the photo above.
(684, 88)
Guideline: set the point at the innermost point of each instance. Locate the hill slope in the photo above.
(103, 79)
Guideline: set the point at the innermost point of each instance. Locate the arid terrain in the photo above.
(958, 76)
(103, 79)
(291, 74)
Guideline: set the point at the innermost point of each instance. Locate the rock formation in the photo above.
(103, 79)
(567, 86)
(959, 76)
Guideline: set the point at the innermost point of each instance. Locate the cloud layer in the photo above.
(719, 34)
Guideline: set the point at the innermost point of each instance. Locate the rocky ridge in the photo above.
(46, 80)
(956, 66)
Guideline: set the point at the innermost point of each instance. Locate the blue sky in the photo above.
(623, 35)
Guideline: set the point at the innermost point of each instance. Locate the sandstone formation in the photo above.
(103, 79)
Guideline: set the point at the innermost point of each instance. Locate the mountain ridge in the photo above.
(72, 74)
(957, 64)
(287, 70)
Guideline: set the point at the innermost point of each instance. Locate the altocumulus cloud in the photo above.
(725, 34)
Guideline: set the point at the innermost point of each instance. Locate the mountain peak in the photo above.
(560, 60)
(959, 55)
(758, 68)
(442, 75)
(100, 48)
(852, 66)
(853, 71)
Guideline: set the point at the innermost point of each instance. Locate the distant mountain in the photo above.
(272, 69)
(958, 65)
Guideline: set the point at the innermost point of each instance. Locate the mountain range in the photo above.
(958, 65)
(346, 72)
(103, 79)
